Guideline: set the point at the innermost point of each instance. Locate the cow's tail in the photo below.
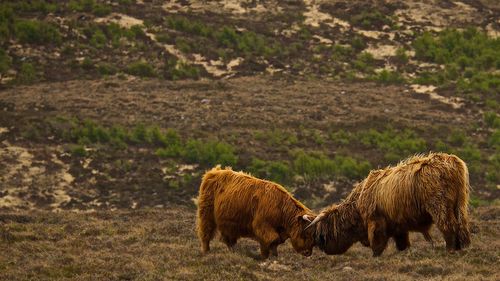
(205, 224)
(462, 209)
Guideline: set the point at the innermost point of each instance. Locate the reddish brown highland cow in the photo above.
(239, 205)
(411, 196)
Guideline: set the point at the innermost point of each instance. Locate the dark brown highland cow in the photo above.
(411, 196)
(239, 205)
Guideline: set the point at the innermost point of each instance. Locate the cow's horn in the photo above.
(316, 220)
(306, 218)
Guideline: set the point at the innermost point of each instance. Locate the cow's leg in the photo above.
(377, 235)
(447, 223)
(428, 237)
(229, 240)
(402, 240)
(267, 237)
(206, 231)
(274, 248)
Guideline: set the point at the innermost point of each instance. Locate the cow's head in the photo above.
(337, 228)
(303, 239)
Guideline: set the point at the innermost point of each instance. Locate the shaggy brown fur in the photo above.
(239, 205)
(411, 196)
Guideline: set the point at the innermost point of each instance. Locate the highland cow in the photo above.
(239, 205)
(391, 202)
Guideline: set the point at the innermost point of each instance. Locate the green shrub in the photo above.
(494, 139)
(482, 82)
(441, 146)
(78, 151)
(31, 6)
(457, 138)
(136, 31)
(190, 26)
(98, 39)
(163, 38)
(276, 138)
(176, 70)
(246, 43)
(368, 19)
(183, 45)
(471, 59)
(5, 61)
(395, 144)
(471, 155)
(141, 69)
(358, 43)
(492, 119)
(277, 171)
(107, 69)
(316, 166)
(364, 62)
(401, 55)
(342, 53)
(209, 153)
(101, 10)
(27, 74)
(429, 78)
(388, 77)
(126, 2)
(351, 168)
(87, 64)
(36, 32)
(89, 6)
(6, 19)
(477, 202)
(138, 134)
(171, 142)
(341, 137)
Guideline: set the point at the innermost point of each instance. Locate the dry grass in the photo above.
(161, 245)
